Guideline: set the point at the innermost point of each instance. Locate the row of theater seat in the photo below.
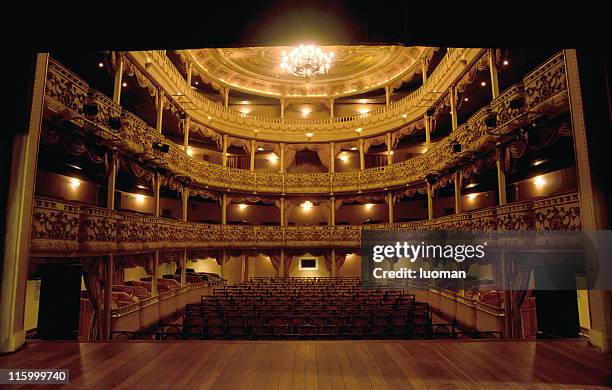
(306, 308)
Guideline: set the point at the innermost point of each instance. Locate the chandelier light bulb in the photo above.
(306, 61)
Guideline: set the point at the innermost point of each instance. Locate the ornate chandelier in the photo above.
(306, 61)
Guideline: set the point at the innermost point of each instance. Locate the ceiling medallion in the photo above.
(306, 61)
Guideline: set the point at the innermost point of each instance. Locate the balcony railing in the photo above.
(62, 228)
(544, 90)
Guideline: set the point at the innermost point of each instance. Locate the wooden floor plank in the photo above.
(368, 364)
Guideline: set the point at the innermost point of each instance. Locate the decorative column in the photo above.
(453, 102)
(186, 123)
(184, 269)
(112, 178)
(501, 176)
(493, 71)
(185, 202)
(108, 291)
(156, 188)
(244, 276)
(189, 72)
(252, 165)
(458, 192)
(331, 108)
(282, 157)
(224, 157)
(154, 275)
(223, 261)
(389, 149)
(427, 131)
(226, 97)
(18, 217)
(424, 70)
(332, 207)
(429, 202)
(118, 78)
(390, 205)
(591, 182)
(361, 154)
(282, 108)
(160, 109)
(224, 209)
(332, 158)
(282, 211)
(334, 271)
(387, 95)
(281, 266)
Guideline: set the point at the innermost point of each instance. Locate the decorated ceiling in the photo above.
(355, 69)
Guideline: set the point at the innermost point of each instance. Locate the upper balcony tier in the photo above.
(156, 66)
(542, 92)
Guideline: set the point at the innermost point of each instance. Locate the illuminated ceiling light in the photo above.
(124, 84)
(539, 181)
(100, 64)
(506, 62)
(359, 129)
(466, 99)
(391, 152)
(74, 182)
(471, 185)
(142, 187)
(75, 166)
(472, 196)
(309, 135)
(195, 82)
(242, 206)
(178, 93)
(539, 162)
(307, 206)
(354, 148)
(209, 118)
(404, 116)
(483, 83)
(260, 149)
(306, 61)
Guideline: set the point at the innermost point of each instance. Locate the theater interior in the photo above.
(192, 214)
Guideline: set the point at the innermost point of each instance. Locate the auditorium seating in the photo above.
(306, 308)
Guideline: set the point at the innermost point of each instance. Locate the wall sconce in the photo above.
(273, 158)
(471, 197)
(307, 206)
(74, 182)
(139, 198)
(309, 135)
(242, 206)
(539, 181)
(306, 111)
(368, 206)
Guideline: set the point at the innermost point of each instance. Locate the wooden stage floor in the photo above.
(410, 364)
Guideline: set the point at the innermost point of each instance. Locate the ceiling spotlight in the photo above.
(539, 162)
(209, 117)
(75, 166)
(309, 135)
(505, 62)
(466, 99)
(483, 83)
(354, 148)
(404, 116)
(142, 187)
(359, 129)
(260, 149)
(195, 82)
(100, 64)
(124, 84)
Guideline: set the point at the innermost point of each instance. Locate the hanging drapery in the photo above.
(322, 150)
(346, 145)
(73, 143)
(442, 182)
(274, 147)
(374, 141)
(93, 271)
(143, 81)
(252, 199)
(239, 143)
(204, 193)
(519, 272)
(275, 260)
(405, 131)
(441, 106)
(206, 132)
(133, 260)
(410, 192)
(128, 165)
